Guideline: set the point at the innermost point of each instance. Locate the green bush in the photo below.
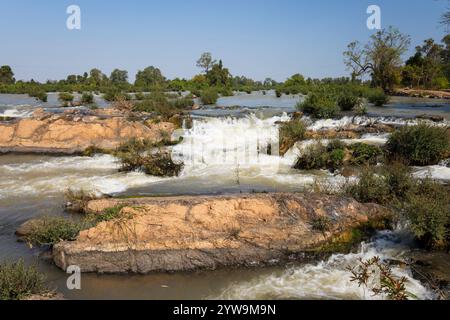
(319, 156)
(319, 105)
(378, 98)
(209, 96)
(40, 95)
(347, 101)
(291, 132)
(87, 98)
(18, 281)
(139, 96)
(419, 145)
(313, 157)
(399, 180)
(371, 187)
(65, 98)
(158, 104)
(139, 155)
(427, 210)
(365, 154)
(51, 230)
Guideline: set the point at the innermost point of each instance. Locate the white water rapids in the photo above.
(217, 151)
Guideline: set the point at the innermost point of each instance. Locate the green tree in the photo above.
(150, 76)
(6, 75)
(218, 75)
(426, 65)
(96, 77)
(381, 57)
(295, 80)
(119, 77)
(206, 62)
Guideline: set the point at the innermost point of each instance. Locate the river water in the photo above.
(217, 160)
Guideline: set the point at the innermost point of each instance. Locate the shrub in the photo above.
(313, 157)
(65, 98)
(51, 230)
(319, 105)
(290, 133)
(370, 187)
(378, 98)
(209, 96)
(419, 145)
(226, 92)
(399, 180)
(427, 210)
(365, 154)
(387, 285)
(87, 98)
(18, 281)
(321, 223)
(116, 95)
(158, 104)
(318, 156)
(278, 93)
(40, 95)
(139, 96)
(347, 101)
(139, 155)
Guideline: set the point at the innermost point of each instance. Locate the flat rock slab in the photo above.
(189, 233)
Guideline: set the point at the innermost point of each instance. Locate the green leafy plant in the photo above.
(378, 277)
(18, 281)
(419, 145)
(319, 105)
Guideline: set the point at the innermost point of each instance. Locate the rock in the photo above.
(27, 227)
(52, 296)
(433, 118)
(430, 94)
(74, 132)
(209, 232)
(433, 270)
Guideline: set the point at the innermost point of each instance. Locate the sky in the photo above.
(255, 38)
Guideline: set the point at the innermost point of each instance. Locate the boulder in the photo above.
(74, 132)
(209, 232)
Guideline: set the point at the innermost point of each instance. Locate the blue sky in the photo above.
(259, 39)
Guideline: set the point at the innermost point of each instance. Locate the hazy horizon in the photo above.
(256, 39)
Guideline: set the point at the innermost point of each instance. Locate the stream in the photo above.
(217, 161)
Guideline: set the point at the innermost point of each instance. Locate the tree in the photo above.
(119, 77)
(150, 76)
(206, 62)
(381, 57)
(295, 80)
(218, 75)
(96, 77)
(6, 75)
(428, 65)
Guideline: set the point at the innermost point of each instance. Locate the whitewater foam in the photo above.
(330, 279)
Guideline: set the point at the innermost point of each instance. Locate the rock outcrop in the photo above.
(422, 93)
(73, 132)
(189, 233)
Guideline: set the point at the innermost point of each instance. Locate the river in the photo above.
(214, 152)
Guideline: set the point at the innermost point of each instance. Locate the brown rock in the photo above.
(74, 132)
(188, 233)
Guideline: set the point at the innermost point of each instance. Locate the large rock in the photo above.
(188, 233)
(71, 132)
